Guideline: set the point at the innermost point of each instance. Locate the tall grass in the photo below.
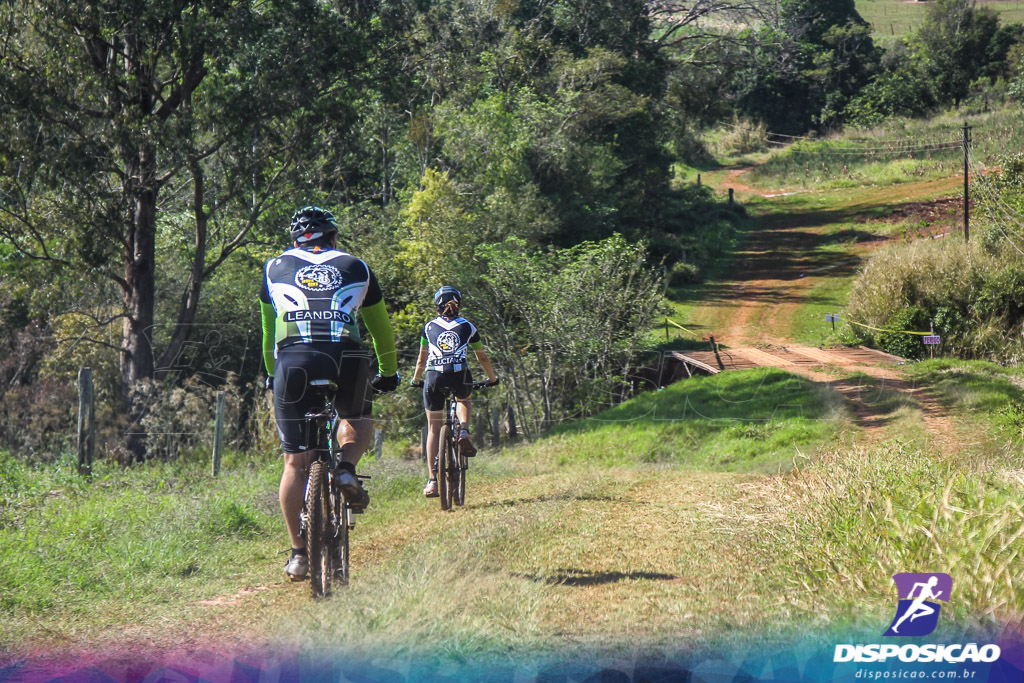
(970, 292)
(870, 513)
(127, 539)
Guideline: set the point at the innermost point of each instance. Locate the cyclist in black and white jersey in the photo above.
(309, 301)
(444, 345)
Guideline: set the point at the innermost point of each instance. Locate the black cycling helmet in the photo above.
(310, 223)
(445, 295)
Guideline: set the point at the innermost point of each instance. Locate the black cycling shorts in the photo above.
(437, 385)
(347, 364)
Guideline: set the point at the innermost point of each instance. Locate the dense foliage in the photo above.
(148, 164)
(150, 153)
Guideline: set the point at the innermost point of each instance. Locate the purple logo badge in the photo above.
(918, 611)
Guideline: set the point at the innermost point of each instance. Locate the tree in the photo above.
(123, 117)
(566, 324)
(954, 41)
(803, 68)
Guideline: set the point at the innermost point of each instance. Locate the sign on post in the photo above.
(932, 340)
(832, 318)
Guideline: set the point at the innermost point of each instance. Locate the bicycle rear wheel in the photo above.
(319, 540)
(445, 467)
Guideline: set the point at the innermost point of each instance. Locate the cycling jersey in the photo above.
(312, 295)
(447, 340)
(316, 294)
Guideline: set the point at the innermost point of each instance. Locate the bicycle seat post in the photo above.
(320, 418)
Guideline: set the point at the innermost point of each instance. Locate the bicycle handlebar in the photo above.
(472, 385)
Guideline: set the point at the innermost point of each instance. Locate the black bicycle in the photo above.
(326, 516)
(451, 464)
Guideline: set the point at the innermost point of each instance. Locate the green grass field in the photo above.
(138, 553)
(894, 18)
(857, 158)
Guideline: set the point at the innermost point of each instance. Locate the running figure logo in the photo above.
(918, 614)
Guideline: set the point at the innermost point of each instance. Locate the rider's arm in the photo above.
(378, 324)
(421, 363)
(485, 363)
(269, 320)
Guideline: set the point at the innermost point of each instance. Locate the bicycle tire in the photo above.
(445, 466)
(318, 543)
(460, 478)
(341, 556)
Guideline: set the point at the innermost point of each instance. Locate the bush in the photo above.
(743, 137)
(682, 274)
(974, 297)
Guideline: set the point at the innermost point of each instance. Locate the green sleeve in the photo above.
(378, 324)
(476, 346)
(269, 322)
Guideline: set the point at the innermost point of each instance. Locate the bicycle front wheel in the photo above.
(341, 543)
(445, 467)
(319, 541)
(460, 479)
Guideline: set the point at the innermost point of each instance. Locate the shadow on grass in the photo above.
(585, 577)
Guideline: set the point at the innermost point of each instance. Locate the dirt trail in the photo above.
(867, 398)
(773, 279)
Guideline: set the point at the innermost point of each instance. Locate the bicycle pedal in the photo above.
(362, 477)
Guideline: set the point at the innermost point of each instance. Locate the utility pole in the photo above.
(967, 209)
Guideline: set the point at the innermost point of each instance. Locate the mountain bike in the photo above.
(451, 464)
(326, 516)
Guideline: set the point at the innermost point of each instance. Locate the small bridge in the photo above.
(688, 363)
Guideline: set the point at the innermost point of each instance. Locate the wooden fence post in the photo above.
(86, 421)
(512, 433)
(218, 433)
(496, 427)
(481, 428)
(731, 196)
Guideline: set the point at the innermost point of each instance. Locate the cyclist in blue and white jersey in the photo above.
(444, 344)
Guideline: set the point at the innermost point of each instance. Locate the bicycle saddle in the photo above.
(323, 386)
